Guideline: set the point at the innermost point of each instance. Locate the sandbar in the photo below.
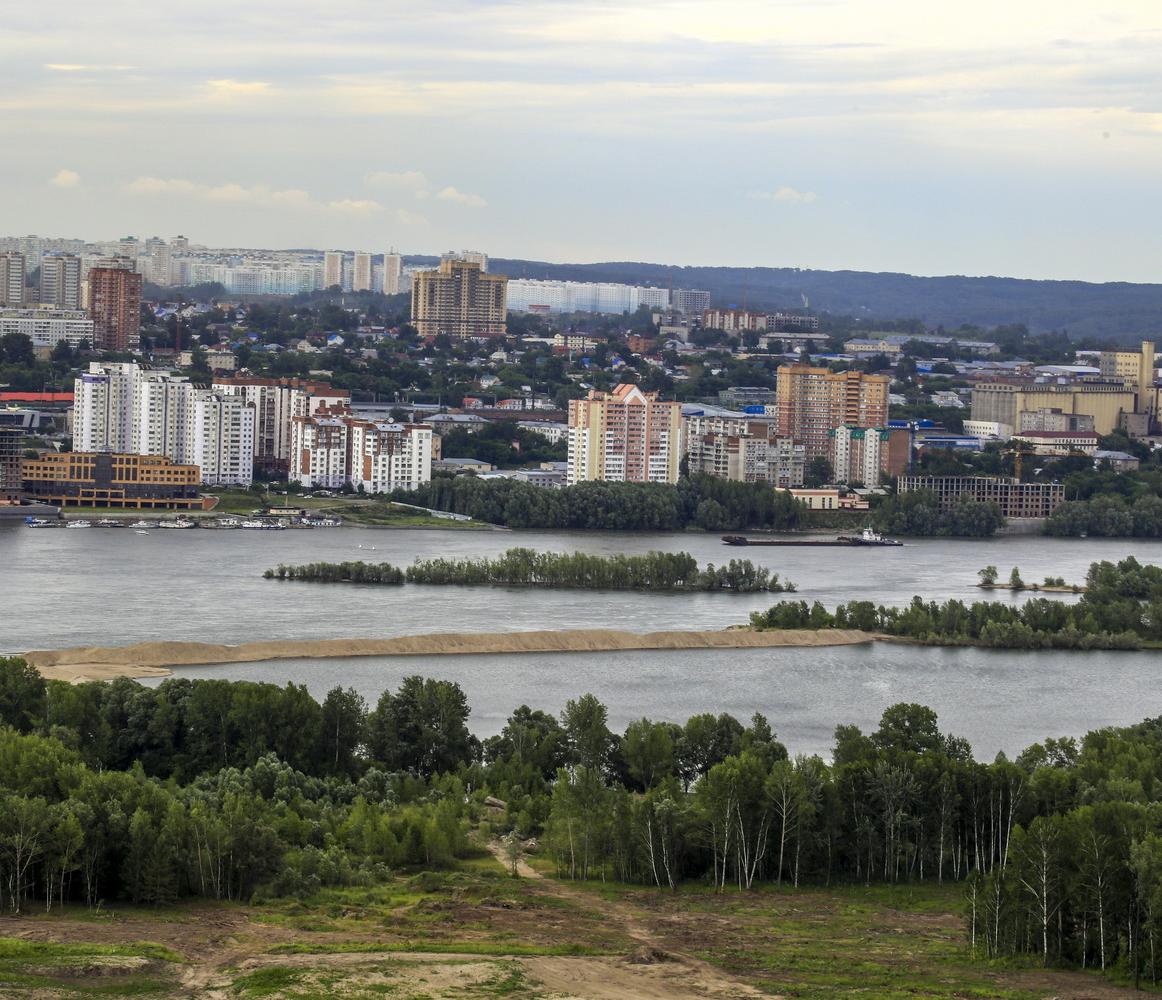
(156, 659)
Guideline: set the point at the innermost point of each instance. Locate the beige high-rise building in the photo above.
(392, 273)
(624, 436)
(1137, 371)
(811, 402)
(459, 299)
(333, 269)
(361, 273)
(11, 279)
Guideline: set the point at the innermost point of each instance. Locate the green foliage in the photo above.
(657, 571)
(344, 572)
(503, 445)
(1121, 609)
(612, 506)
(1108, 516)
(919, 513)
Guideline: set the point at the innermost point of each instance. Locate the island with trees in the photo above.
(519, 567)
(1121, 608)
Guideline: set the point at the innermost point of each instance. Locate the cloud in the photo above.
(406, 218)
(355, 206)
(241, 194)
(786, 195)
(65, 178)
(232, 88)
(411, 181)
(461, 197)
(85, 68)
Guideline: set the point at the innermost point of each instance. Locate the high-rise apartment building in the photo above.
(392, 273)
(11, 279)
(60, 281)
(869, 455)
(47, 327)
(361, 272)
(811, 402)
(333, 269)
(276, 403)
(625, 436)
(157, 260)
(114, 299)
(459, 299)
(692, 301)
(126, 408)
(333, 449)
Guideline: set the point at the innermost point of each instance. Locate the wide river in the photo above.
(113, 586)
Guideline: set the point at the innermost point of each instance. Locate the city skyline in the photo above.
(978, 140)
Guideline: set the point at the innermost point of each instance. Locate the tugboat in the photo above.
(869, 537)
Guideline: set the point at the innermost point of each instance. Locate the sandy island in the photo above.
(155, 659)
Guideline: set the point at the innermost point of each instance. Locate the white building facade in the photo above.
(48, 327)
(126, 408)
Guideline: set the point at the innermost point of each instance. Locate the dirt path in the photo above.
(651, 970)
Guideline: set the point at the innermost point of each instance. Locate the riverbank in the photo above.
(156, 659)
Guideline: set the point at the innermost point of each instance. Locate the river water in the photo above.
(113, 586)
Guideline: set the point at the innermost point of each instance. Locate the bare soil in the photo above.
(152, 659)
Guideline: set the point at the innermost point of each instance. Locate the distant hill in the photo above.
(1117, 310)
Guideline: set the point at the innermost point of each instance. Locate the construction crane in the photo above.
(1019, 452)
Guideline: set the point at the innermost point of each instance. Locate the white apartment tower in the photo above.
(11, 279)
(361, 273)
(60, 281)
(392, 273)
(219, 438)
(126, 408)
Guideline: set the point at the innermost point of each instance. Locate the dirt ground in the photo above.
(153, 659)
(660, 939)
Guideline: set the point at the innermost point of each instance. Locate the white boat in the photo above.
(40, 522)
(322, 522)
(180, 522)
(141, 531)
(260, 525)
(144, 524)
(79, 524)
(110, 522)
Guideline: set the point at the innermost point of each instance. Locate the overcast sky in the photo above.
(1016, 137)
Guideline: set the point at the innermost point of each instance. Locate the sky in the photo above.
(1008, 137)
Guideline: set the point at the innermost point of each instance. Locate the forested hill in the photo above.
(1118, 310)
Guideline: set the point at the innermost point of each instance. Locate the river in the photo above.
(113, 586)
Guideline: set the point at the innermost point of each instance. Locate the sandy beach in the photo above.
(156, 659)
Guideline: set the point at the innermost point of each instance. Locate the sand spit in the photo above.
(154, 659)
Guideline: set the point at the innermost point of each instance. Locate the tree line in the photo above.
(1108, 516)
(697, 501)
(919, 513)
(518, 567)
(1120, 609)
(341, 572)
(237, 790)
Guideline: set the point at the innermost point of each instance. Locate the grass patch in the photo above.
(264, 982)
(84, 970)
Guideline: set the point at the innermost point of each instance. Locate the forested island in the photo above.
(518, 567)
(237, 790)
(695, 502)
(1120, 609)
